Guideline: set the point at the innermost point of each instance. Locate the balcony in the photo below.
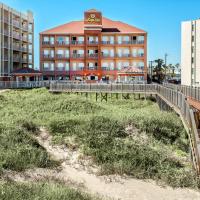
(6, 20)
(107, 55)
(30, 60)
(16, 23)
(47, 43)
(25, 27)
(25, 38)
(131, 42)
(62, 43)
(16, 47)
(16, 58)
(77, 42)
(93, 42)
(6, 32)
(5, 58)
(93, 55)
(24, 60)
(77, 55)
(48, 56)
(108, 42)
(16, 35)
(24, 49)
(92, 68)
(107, 68)
(5, 45)
(124, 55)
(62, 56)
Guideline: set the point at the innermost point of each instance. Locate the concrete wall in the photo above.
(186, 35)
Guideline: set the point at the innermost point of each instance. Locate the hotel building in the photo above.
(16, 41)
(94, 49)
(190, 53)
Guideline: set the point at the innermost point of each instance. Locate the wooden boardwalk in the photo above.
(174, 98)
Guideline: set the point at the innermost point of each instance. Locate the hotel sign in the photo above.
(93, 18)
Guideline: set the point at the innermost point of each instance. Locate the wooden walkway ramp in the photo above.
(173, 97)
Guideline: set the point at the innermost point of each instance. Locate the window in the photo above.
(81, 66)
(112, 66)
(126, 38)
(192, 60)
(119, 65)
(193, 38)
(112, 52)
(60, 52)
(112, 39)
(134, 52)
(46, 52)
(46, 39)
(51, 40)
(81, 39)
(67, 66)
(60, 66)
(74, 66)
(60, 40)
(119, 39)
(141, 52)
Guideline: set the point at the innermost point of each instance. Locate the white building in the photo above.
(190, 53)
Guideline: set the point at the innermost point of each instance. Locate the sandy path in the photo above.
(112, 187)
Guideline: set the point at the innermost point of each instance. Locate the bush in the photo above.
(44, 191)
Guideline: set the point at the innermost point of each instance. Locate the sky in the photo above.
(160, 18)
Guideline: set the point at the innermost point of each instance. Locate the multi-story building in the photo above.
(16, 41)
(190, 53)
(95, 48)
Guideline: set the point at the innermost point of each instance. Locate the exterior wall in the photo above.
(16, 40)
(197, 53)
(99, 59)
(93, 28)
(186, 30)
(190, 53)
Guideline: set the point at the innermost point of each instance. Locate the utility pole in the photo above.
(166, 65)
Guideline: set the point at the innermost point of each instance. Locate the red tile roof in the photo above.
(77, 27)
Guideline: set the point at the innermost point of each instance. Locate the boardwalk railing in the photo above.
(174, 97)
(188, 91)
(23, 84)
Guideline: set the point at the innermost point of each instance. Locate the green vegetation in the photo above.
(122, 136)
(39, 191)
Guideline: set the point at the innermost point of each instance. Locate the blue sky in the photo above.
(160, 18)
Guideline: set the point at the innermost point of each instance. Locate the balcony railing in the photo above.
(77, 55)
(24, 49)
(92, 68)
(124, 55)
(16, 23)
(24, 60)
(93, 42)
(107, 68)
(48, 56)
(5, 45)
(77, 42)
(16, 35)
(5, 58)
(6, 32)
(62, 43)
(16, 47)
(47, 43)
(6, 20)
(107, 42)
(62, 56)
(16, 58)
(107, 55)
(92, 55)
(25, 27)
(25, 38)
